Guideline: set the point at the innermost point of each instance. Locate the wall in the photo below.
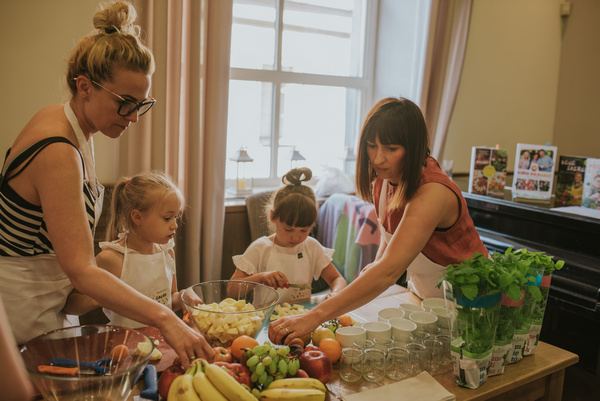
(509, 83)
(529, 76)
(37, 37)
(577, 123)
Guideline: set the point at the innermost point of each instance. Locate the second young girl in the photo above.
(289, 260)
(144, 213)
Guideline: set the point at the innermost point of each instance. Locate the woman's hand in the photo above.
(275, 279)
(185, 341)
(284, 330)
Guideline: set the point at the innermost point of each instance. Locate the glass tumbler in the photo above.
(416, 358)
(397, 363)
(419, 336)
(446, 358)
(383, 344)
(363, 345)
(374, 365)
(351, 365)
(433, 354)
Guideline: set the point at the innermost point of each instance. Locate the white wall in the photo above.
(37, 37)
(509, 84)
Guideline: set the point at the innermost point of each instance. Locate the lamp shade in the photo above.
(297, 156)
(241, 156)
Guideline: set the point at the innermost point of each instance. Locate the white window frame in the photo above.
(277, 78)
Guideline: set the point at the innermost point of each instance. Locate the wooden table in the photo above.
(536, 377)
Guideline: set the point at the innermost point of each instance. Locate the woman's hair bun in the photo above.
(296, 176)
(117, 16)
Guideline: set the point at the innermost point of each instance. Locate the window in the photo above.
(298, 80)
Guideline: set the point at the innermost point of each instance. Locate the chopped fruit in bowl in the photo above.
(224, 310)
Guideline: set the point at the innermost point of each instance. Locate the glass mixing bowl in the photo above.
(223, 310)
(90, 343)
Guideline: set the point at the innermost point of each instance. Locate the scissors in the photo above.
(100, 367)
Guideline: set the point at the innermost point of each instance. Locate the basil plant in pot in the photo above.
(544, 266)
(474, 289)
(514, 279)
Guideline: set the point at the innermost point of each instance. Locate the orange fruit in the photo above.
(239, 345)
(119, 353)
(345, 320)
(320, 334)
(331, 348)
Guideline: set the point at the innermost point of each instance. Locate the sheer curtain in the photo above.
(447, 42)
(185, 134)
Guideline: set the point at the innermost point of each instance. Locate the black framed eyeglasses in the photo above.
(126, 107)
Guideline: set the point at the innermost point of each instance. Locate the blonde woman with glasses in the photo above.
(50, 199)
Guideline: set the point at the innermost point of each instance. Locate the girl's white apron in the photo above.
(422, 273)
(152, 275)
(296, 268)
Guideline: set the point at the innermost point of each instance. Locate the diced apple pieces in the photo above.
(228, 323)
(285, 309)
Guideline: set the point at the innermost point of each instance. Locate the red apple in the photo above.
(300, 373)
(317, 365)
(222, 354)
(167, 377)
(311, 348)
(240, 373)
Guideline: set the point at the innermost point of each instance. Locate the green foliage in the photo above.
(511, 273)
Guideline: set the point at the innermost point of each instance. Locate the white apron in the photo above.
(297, 269)
(422, 274)
(152, 275)
(34, 289)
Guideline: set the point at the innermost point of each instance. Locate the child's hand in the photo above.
(276, 279)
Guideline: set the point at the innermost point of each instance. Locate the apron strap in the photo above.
(30, 154)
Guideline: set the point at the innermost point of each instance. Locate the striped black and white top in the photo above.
(22, 226)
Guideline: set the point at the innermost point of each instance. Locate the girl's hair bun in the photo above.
(297, 176)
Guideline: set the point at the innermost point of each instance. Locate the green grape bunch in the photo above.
(268, 362)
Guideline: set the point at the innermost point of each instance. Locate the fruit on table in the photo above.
(292, 382)
(268, 363)
(295, 389)
(238, 371)
(204, 387)
(220, 329)
(304, 394)
(285, 309)
(226, 384)
(240, 344)
(320, 334)
(167, 377)
(317, 364)
(182, 387)
(222, 354)
(332, 348)
(144, 348)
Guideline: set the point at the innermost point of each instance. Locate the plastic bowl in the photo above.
(86, 344)
(223, 310)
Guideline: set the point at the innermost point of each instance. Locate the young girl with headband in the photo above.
(289, 259)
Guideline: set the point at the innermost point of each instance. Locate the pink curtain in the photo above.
(447, 42)
(185, 133)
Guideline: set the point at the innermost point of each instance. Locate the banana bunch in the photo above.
(207, 382)
(293, 388)
(204, 381)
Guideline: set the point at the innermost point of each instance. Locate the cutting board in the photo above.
(168, 354)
